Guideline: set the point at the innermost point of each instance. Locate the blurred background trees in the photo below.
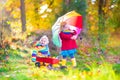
(100, 18)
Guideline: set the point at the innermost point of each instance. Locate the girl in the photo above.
(69, 46)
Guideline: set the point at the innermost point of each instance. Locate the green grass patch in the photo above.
(116, 68)
(87, 69)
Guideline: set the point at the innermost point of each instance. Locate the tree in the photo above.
(115, 18)
(23, 16)
(103, 7)
(5, 31)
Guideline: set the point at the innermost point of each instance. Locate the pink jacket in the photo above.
(67, 42)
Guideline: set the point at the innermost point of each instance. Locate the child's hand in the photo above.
(74, 37)
(33, 59)
(39, 54)
(73, 32)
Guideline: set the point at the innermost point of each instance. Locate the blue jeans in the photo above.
(70, 53)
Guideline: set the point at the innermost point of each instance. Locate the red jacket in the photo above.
(67, 42)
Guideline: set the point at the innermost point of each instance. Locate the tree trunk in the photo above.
(67, 2)
(101, 12)
(23, 16)
(102, 36)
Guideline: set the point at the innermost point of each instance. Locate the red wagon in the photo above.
(48, 60)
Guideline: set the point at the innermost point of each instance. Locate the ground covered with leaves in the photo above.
(18, 66)
(92, 63)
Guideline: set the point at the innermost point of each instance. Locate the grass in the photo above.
(116, 68)
(20, 67)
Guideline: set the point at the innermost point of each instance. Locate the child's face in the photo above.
(66, 27)
(44, 41)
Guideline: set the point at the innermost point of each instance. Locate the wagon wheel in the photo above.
(50, 67)
(37, 64)
(44, 64)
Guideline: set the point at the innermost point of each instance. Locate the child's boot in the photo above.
(74, 62)
(63, 63)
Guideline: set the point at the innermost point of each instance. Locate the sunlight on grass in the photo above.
(102, 72)
(17, 68)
